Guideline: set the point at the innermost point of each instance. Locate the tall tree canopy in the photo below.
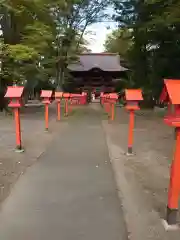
(119, 41)
(154, 51)
(40, 37)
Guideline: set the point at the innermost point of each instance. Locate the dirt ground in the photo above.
(142, 179)
(34, 139)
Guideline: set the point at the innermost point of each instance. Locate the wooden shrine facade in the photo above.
(97, 72)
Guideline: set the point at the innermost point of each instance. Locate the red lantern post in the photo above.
(58, 97)
(113, 98)
(14, 93)
(66, 97)
(46, 95)
(133, 96)
(171, 95)
(106, 104)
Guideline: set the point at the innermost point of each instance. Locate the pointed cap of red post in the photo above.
(15, 94)
(58, 94)
(133, 96)
(66, 95)
(46, 95)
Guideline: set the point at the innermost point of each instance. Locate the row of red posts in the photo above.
(15, 93)
(171, 96)
(132, 97)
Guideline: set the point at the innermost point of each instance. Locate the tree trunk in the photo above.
(60, 78)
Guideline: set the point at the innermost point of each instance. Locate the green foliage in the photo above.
(155, 50)
(20, 52)
(119, 41)
(40, 37)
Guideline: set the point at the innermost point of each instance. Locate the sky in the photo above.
(97, 39)
(100, 31)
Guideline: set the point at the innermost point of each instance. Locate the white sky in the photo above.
(97, 40)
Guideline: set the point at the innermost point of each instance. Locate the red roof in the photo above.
(58, 94)
(14, 91)
(171, 91)
(133, 95)
(66, 95)
(46, 94)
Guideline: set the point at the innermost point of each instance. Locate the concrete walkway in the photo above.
(70, 193)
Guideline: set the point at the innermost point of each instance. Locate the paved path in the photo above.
(70, 193)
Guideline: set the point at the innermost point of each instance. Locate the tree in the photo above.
(71, 20)
(42, 37)
(119, 41)
(154, 53)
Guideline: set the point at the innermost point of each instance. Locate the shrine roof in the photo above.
(108, 62)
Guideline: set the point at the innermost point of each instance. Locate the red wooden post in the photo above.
(133, 96)
(131, 131)
(47, 116)
(18, 128)
(170, 94)
(66, 97)
(107, 104)
(112, 111)
(66, 108)
(58, 110)
(15, 94)
(113, 98)
(174, 186)
(46, 95)
(58, 97)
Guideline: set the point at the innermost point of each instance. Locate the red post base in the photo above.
(171, 216)
(130, 150)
